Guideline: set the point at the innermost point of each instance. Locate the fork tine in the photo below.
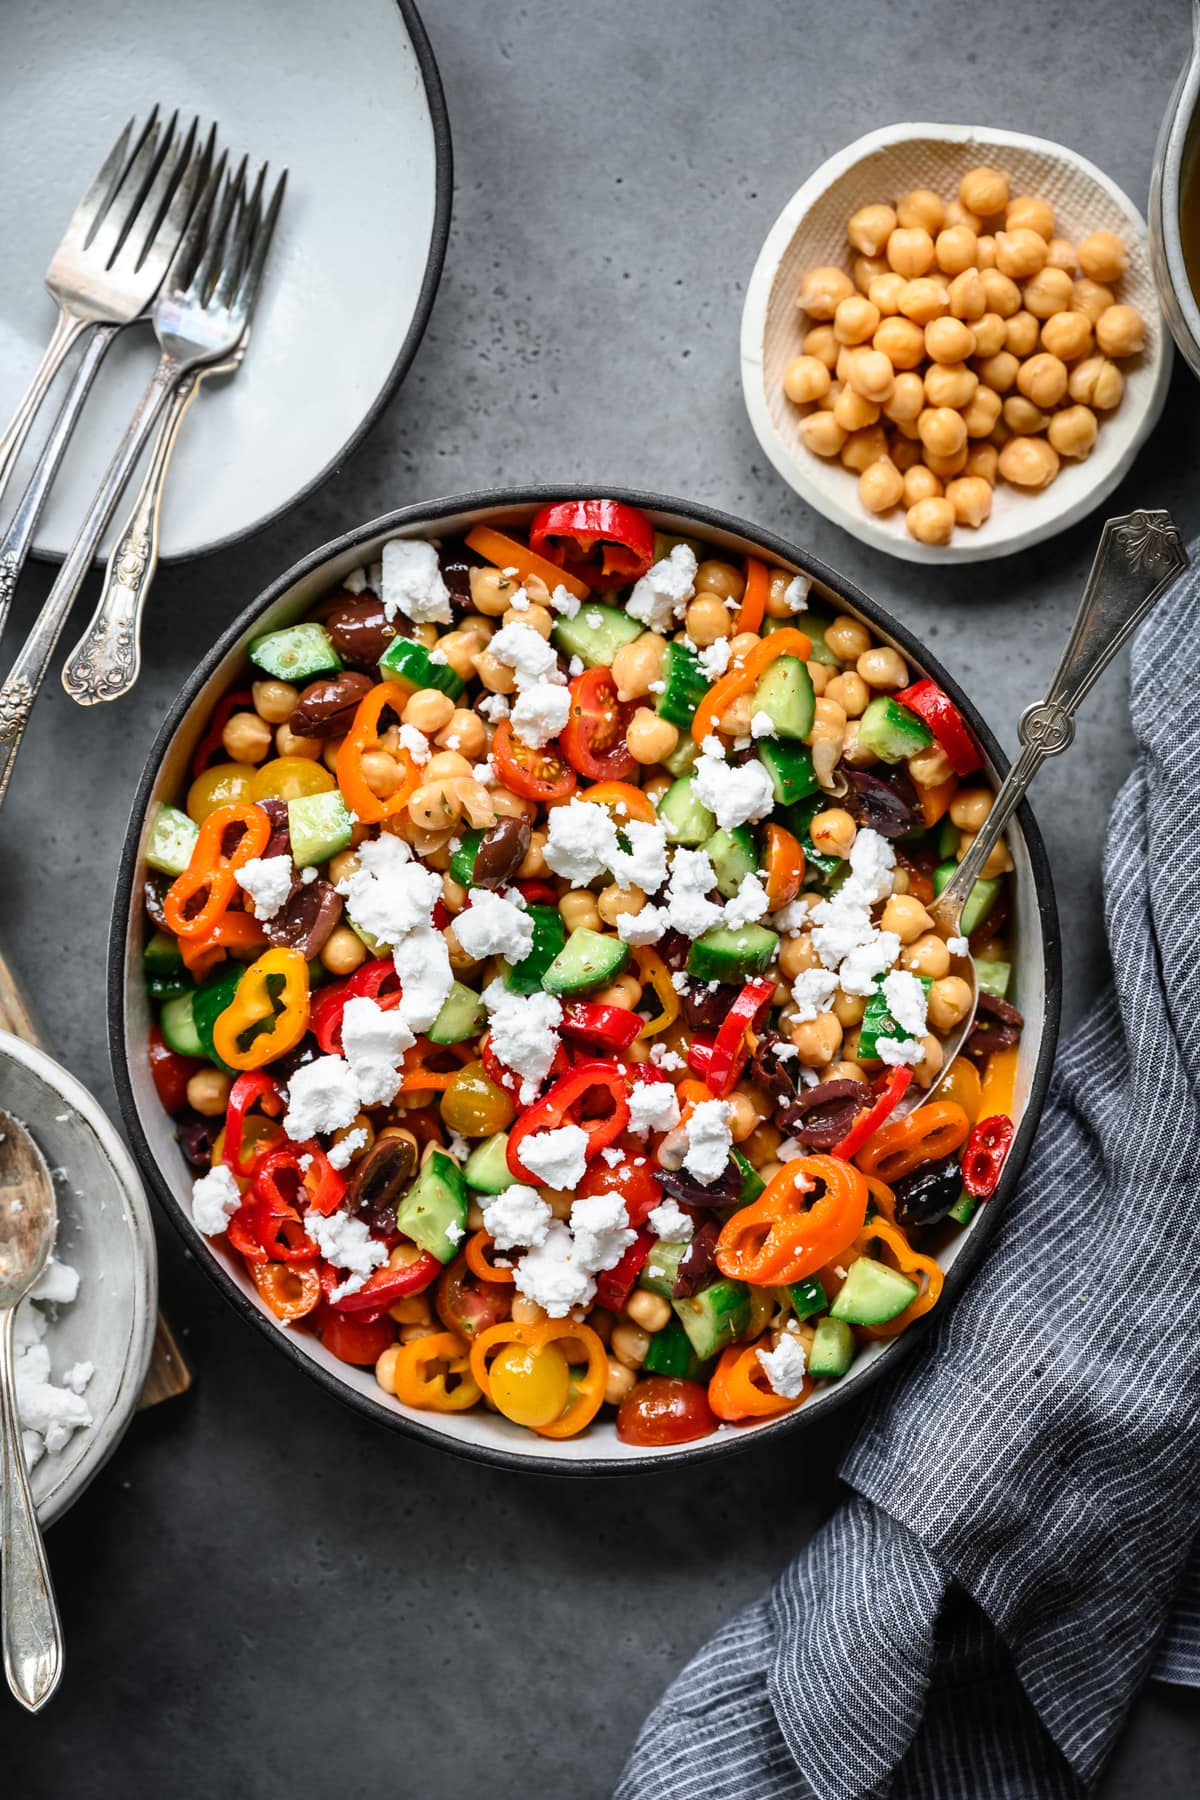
(99, 195)
(111, 231)
(195, 170)
(247, 295)
(216, 247)
(191, 244)
(249, 221)
(153, 211)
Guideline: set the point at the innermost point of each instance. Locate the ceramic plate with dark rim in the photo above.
(485, 1436)
(348, 98)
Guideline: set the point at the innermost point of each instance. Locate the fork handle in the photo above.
(67, 330)
(14, 546)
(20, 690)
(106, 661)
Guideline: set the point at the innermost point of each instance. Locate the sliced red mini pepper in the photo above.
(293, 1168)
(571, 1090)
(721, 1064)
(612, 1027)
(383, 1287)
(369, 981)
(614, 1286)
(984, 1155)
(254, 1088)
(507, 1078)
(601, 541)
(869, 1123)
(938, 711)
(172, 1072)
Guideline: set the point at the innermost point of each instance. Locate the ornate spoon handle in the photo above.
(33, 1656)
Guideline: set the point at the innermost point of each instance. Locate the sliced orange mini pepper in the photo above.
(780, 1238)
(909, 1262)
(268, 1014)
(999, 1083)
(289, 1289)
(654, 972)
(739, 1388)
(615, 793)
(743, 676)
(587, 1394)
(754, 597)
(478, 1261)
(962, 1085)
(434, 1374)
(935, 801)
(926, 1135)
(507, 553)
(232, 932)
(362, 737)
(199, 897)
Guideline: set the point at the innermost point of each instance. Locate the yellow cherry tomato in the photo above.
(222, 785)
(290, 778)
(474, 1106)
(530, 1384)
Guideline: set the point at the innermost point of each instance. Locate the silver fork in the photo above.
(167, 178)
(106, 661)
(199, 317)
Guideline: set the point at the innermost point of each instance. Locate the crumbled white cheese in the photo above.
(575, 667)
(553, 1275)
(524, 1034)
(58, 1282)
(412, 582)
(416, 743)
(355, 581)
(389, 893)
(345, 1242)
(580, 840)
(872, 863)
(862, 967)
(785, 1366)
(958, 946)
(736, 793)
(517, 1218)
(795, 594)
(422, 961)
(564, 602)
(843, 933)
(653, 1106)
(215, 1198)
(812, 993)
(523, 650)
(558, 1157)
(905, 999)
(519, 601)
(899, 1052)
(48, 1413)
(709, 1140)
(644, 864)
(494, 707)
(347, 1148)
(374, 1040)
(669, 1222)
(714, 659)
(601, 1230)
(762, 725)
(663, 592)
(645, 927)
(322, 1096)
(268, 881)
(748, 904)
(494, 926)
(665, 1058)
(540, 713)
(688, 908)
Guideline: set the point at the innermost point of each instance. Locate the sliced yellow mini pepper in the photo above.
(653, 970)
(425, 1369)
(268, 1014)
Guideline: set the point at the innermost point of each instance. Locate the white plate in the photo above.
(345, 95)
(811, 230)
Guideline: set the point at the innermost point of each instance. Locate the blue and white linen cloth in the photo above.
(1017, 1554)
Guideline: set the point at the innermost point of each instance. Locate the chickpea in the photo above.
(246, 738)
(883, 668)
(866, 269)
(1048, 293)
(967, 297)
(805, 378)
(435, 806)
(848, 1010)
(343, 951)
(1091, 298)
(845, 362)
(864, 447)
(1028, 462)
(650, 738)
(956, 249)
(999, 371)
(948, 340)
(454, 894)
(621, 1381)
(1003, 294)
(855, 320)
(982, 460)
(906, 917)
(999, 860)
(920, 483)
(971, 498)
(921, 208)
(496, 676)
(822, 290)
(638, 664)
(872, 374)
(942, 430)
(707, 619)
(1021, 333)
(817, 1040)
(735, 720)
(721, 579)
(926, 1072)
(1026, 213)
(821, 344)
(901, 341)
(464, 732)
(1120, 331)
(910, 251)
(491, 591)
(796, 954)
(778, 607)
(949, 1002)
(536, 617)
(946, 467)
(483, 629)
(833, 831)
(579, 910)
(1072, 432)
(650, 1311)
(990, 333)
(1102, 257)
(630, 1344)
(927, 956)
(907, 399)
(985, 251)
(885, 291)
(533, 863)
(880, 486)
(342, 867)
(1021, 415)
(1068, 335)
(950, 384)
(745, 1115)
(429, 710)
(924, 300)
(847, 638)
(445, 766)
(870, 227)
(822, 434)
(931, 521)
(970, 807)
(958, 214)
(274, 701)
(287, 743)
(512, 806)
(928, 768)
(1097, 383)
(849, 690)
(818, 674)
(852, 412)
(461, 650)
(984, 191)
(981, 414)
(208, 1092)
(1043, 379)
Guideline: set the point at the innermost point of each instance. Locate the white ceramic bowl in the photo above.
(482, 1435)
(104, 1231)
(811, 230)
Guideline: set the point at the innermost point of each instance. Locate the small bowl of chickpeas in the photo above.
(951, 342)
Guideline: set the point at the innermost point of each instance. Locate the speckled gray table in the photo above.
(262, 1593)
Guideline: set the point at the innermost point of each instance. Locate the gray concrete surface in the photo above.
(262, 1593)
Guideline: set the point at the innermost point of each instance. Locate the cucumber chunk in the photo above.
(172, 840)
(209, 1002)
(461, 1016)
(549, 936)
(785, 694)
(661, 1268)
(296, 653)
(715, 1316)
(790, 767)
(733, 856)
(807, 1297)
(686, 685)
(963, 1209)
(687, 820)
(752, 1182)
(980, 900)
(486, 1169)
(178, 1026)
(586, 961)
(891, 732)
(993, 977)
(162, 955)
(595, 634)
(670, 1352)
(683, 757)
(434, 1211)
(873, 1293)
(833, 1349)
(319, 826)
(411, 663)
(462, 860)
(731, 954)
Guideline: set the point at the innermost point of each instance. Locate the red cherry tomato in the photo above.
(467, 1305)
(171, 1072)
(634, 1181)
(534, 774)
(352, 1340)
(593, 738)
(665, 1410)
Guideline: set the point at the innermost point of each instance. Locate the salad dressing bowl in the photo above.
(482, 1435)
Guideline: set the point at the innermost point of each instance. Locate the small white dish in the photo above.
(348, 99)
(811, 230)
(104, 1232)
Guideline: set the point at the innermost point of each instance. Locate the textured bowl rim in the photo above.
(794, 469)
(429, 515)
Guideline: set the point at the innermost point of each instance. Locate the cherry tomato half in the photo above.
(533, 774)
(171, 1072)
(467, 1305)
(351, 1340)
(785, 866)
(593, 738)
(665, 1410)
(634, 1181)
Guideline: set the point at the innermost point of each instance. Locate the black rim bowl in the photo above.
(438, 518)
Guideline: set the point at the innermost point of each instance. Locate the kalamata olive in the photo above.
(306, 1051)
(381, 1179)
(697, 1260)
(927, 1195)
(153, 890)
(674, 948)
(327, 706)
(771, 1070)
(724, 1191)
(196, 1139)
(997, 1026)
(704, 1010)
(280, 841)
(360, 630)
(456, 563)
(501, 852)
(307, 917)
(884, 803)
(819, 1117)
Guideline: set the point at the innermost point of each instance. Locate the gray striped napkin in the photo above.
(1013, 1561)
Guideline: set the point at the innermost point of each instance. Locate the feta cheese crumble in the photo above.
(601, 1230)
(374, 1040)
(669, 1222)
(322, 1096)
(494, 926)
(795, 594)
(390, 893)
(553, 1275)
(526, 652)
(345, 1242)
(906, 1001)
(540, 713)
(580, 838)
(412, 582)
(714, 659)
(215, 1198)
(564, 602)
(709, 1140)
(663, 592)
(518, 1218)
(416, 743)
(268, 881)
(958, 946)
(341, 1154)
(785, 1366)
(524, 1033)
(735, 793)
(558, 1157)
(653, 1106)
(762, 725)
(812, 993)
(48, 1413)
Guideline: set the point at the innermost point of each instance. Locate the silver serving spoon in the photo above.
(1140, 556)
(33, 1655)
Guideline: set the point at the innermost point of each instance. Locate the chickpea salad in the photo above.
(541, 952)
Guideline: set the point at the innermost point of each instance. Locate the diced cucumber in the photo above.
(687, 819)
(595, 634)
(980, 900)
(434, 1211)
(891, 732)
(549, 936)
(178, 1026)
(833, 1349)
(209, 1002)
(733, 856)
(872, 1293)
(948, 839)
(319, 826)
(296, 653)
(686, 685)
(790, 767)
(670, 1352)
(486, 1169)
(731, 953)
(785, 694)
(412, 664)
(462, 860)
(661, 1268)
(172, 840)
(161, 955)
(170, 985)
(993, 977)
(683, 757)
(877, 1021)
(715, 1316)
(461, 1016)
(586, 961)
(752, 1182)
(963, 1210)
(807, 1297)
(815, 624)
